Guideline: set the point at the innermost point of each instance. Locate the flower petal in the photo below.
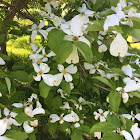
(3, 126)
(33, 36)
(27, 128)
(71, 69)
(37, 111)
(68, 77)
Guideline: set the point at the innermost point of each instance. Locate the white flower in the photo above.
(135, 133)
(10, 118)
(132, 13)
(119, 46)
(0, 94)
(125, 96)
(27, 128)
(132, 116)
(72, 117)
(81, 99)
(3, 126)
(41, 69)
(102, 47)
(85, 12)
(71, 69)
(4, 138)
(36, 29)
(48, 5)
(63, 93)
(76, 125)
(54, 118)
(101, 115)
(2, 62)
(66, 105)
(94, 68)
(34, 123)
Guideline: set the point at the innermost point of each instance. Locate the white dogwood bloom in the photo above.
(85, 12)
(93, 68)
(118, 46)
(102, 47)
(66, 105)
(41, 69)
(101, 115)
(36, 29)
(135, 133)
(54, 118)
(27, 128)
(71, 69)
(48, 5)
(3, 126)
(132, 116)
(10, 118)
(132, 13)
(97, 134)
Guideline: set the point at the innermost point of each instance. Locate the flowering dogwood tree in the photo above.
(85, 79)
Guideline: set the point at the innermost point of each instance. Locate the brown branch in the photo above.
(102, 87)
(21, 13)
(134, 42)
(85, 74)
(102, 43)
(24, 85)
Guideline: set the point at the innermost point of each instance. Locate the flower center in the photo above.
(39, 61)
(40, 72)
(82, 13)
(102, 114)
(64, 72)
(30, 103)
(132, 78)
(75, 38)
(44, 55)
(37, 28)
(88, 23)
(122, 90)
(133, 115)
(61, 118)
(8, 116)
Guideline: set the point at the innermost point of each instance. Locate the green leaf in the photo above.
(65, 86)
(18, 66)
(5, 57)
(114, 2)
(113, 119)
(19, 75)
(52, 128)
(114, 101)
(136, 22)
(135, 93)
(115, 28)
(104, 80)
(8, 82)
(117, 70)
(85, 50)
(106, 12)
(49, 100)
(44, 89)
(22, 117)
(103, 127)
(16, 135)
(1, 37)
(2, 74)
(59, 46)
(135, 33)
(76, 136)
(112, 136)
(57, 102)
(96, 26)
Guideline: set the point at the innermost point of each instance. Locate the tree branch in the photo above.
(102, 87)
(21, 13)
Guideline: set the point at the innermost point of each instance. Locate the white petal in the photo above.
(77, 24)
(41, 24)
(54, 3)
(54, 118)
(28, 111)
(2, 62)
(83, 8)
(48, 8)
(102, 119)
(102, 48)
(57, 79)
(51, 54)
(137, 116)
(44, 33)
(38, 111)
(66, 105)
(56, 21)
(119, 46)
(76, 125)
(18, 105)
(27, 128)
(135, 131)
(103, 74)
(125, 97)
(60, 67)
(3, 126)
(73, 57)
(68, 118)
(34, 26)
(48, 79)
(14, 122)
(97, 134)
(37, 78)
(33, 36)
(132, 86)
(127, 70)
(44, 67)
(68, 37)
(36, 67)
(34, 47)
(126, 135)
(92, 71)
(71, 69)
(83, 39)
(34, 123)
(68, 77)
(6, 111)
(88, 66)
(128, 116)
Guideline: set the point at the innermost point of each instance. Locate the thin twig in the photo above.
(101, 87)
